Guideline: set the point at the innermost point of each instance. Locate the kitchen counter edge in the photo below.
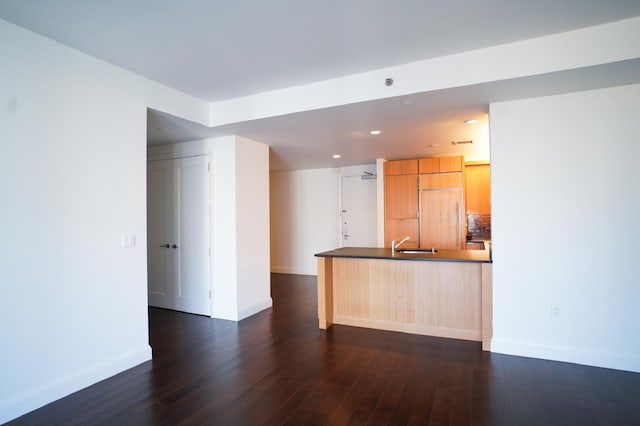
(475, 256)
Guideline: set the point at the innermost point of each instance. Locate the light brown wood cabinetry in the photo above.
(401, 209)
(441, 219)
(409, 167)
(429, 165)
(401, 197)
(428, 207)
(451, 164)
(447, 299)
(441, 181)
(396, 229)
(442, 206)
(393, 168)
(401, 167)
(478, 189)
(440, 164)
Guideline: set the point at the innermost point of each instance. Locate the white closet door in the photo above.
(178, 235)
(191, 227)
(159, 222)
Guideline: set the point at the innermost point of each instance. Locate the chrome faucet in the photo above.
(395, 246)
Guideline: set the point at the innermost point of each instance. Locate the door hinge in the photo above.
(209, 294)
(208, 167)
(209, 251)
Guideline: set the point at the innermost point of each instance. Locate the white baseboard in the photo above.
(617, 361)
(252, 310)
(31, 399)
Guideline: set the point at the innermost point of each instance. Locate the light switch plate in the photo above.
(129, 241)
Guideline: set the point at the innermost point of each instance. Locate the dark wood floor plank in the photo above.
(388, 401)
(277, 368)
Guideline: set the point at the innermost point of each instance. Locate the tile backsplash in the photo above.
(479, 226)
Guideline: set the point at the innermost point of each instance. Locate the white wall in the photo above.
(304, 218)
(252, 236)
(223, 210)
(565, 205)
(72, 179)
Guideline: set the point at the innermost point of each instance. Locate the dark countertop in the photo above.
(481, 256)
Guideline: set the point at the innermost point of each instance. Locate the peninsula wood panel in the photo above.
(487, 306)
(433, 298)
(325, 292)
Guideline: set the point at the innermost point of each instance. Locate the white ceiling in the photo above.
(217, 50)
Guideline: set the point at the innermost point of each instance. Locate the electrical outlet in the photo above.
(555, 312)
(129, 241)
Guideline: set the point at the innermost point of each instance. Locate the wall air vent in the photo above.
(461, 142)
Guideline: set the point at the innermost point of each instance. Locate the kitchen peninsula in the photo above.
(447, 293)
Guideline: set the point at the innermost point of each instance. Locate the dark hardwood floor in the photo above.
(277, 367)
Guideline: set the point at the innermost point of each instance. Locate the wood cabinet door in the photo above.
(410, 167)
(397, 229)
(401, 197)
(441, 181)
(441, 219)
(478, 189)
(392, 168)
(429, 165)
(450, 164)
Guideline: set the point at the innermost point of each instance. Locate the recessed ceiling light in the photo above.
(471, 121)
(407, 102)
(433, 145)
(336, 155)
(375, 132)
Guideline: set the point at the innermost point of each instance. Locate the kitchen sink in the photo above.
(475, 245)
(418, 251)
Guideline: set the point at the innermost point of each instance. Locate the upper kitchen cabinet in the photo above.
(401, 167)
(440, 165)
(401, 201)
(478, 189)
(401, 197)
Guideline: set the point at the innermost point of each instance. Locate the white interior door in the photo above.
(191, 228)
(178, 234)
(159, 219)
(358, 212)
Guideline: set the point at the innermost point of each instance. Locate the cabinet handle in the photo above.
(458, 225)
(165, 246)
(174, 246)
